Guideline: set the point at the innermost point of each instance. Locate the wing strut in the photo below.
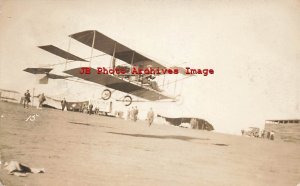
(131, 62)
(93, 44)
(67, 59)
(113, 59)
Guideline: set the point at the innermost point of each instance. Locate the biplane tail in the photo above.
(43, 74)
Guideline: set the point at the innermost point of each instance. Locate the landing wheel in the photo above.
(106, 94)
(127, 100)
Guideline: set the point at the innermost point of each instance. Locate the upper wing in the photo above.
(118, 84)
(107, 45)
(61, 53)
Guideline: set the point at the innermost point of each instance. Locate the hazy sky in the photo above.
(253, 46)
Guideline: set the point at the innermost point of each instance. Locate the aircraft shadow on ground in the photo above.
(220, 144)
(184, 138)
(88, 124)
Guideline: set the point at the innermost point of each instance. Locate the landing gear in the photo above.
(127, 100)
(106, 94)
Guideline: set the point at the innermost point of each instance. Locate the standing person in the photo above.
(132, 114)
(85, 109)
(128, 114)
(272, 135)
(135, 113)
(63, 104)
(150, 117)
(26, 99)
(268, 134)
(262, 134)
(42, 99)
(90, 109)
(193, 123)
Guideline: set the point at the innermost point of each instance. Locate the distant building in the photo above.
(284, 121)
(285, 129)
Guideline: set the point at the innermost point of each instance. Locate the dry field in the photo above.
(79, 149)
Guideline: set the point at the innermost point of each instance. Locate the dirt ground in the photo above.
(80, 149)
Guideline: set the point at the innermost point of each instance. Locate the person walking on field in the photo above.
(150, 117)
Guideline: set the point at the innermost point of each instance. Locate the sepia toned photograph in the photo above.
(149, 93)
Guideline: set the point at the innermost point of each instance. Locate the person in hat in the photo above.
(27, 99)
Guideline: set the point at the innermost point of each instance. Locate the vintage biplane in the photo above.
(130, 84)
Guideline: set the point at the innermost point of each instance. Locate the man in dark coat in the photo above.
(26, 99)
(90, 109)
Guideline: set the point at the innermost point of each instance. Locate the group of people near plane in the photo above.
(132, 113)
(267, 134)
(41, 98)
(260, 134)
(26, 99)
